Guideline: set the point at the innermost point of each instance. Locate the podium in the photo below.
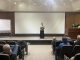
(73, 33)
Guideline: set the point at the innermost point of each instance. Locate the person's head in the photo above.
(68, 38)
(78, 37)
(64, 39)
(6, 49)
(65, 35)
(77, 56)
(54, 38)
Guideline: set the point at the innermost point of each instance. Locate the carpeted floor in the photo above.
(39, 52)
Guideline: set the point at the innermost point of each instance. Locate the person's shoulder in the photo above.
(61, 44)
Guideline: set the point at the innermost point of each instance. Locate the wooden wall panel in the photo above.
(77, 18)
(71, 18)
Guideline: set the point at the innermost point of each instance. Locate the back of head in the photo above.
(54, 38)
(6, 49)
(64, 39)
(78, 37)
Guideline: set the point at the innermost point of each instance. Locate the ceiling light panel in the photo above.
(37, 5)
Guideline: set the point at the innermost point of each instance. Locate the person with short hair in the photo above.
(77, 42)
(64, 42)
(11, 50)
(7, 49)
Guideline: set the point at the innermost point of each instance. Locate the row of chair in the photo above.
(55, 43)
(22, 46)
(66, 50)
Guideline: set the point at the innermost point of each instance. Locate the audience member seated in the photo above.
(77, 42)
(11, 50)
(53, 44)
(64, 42)
(61, 45)
(1, 45)
(23, 45)
(7, 49)
(69, 39)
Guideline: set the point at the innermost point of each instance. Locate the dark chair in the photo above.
(57, 43)
(77, 56)
(53, 43)
(66, 50)
(23, 45)
(4, 57)
(57, 50)
(71, 42)
(76, 49)
(1, 48)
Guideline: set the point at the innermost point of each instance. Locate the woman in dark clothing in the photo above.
(42, 31)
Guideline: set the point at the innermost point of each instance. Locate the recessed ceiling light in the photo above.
(15, 3)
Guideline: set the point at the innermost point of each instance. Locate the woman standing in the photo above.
(42, 31)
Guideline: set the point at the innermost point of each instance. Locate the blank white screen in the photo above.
(29, 23)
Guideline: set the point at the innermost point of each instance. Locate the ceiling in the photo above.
(40, 5)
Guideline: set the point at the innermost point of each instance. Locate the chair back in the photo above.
(1, 48)
(76, 49)
(77, 56)
(57, 43)
(4, 57)
(67, 50)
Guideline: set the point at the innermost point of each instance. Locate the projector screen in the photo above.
(5, 26)
(29, 23)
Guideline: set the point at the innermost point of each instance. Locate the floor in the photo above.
(39, 52)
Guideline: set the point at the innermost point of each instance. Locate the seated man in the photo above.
(77, 42)
(64, 42)
(7, 49)
(61, 45)
(12, 51)
(53, 44)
